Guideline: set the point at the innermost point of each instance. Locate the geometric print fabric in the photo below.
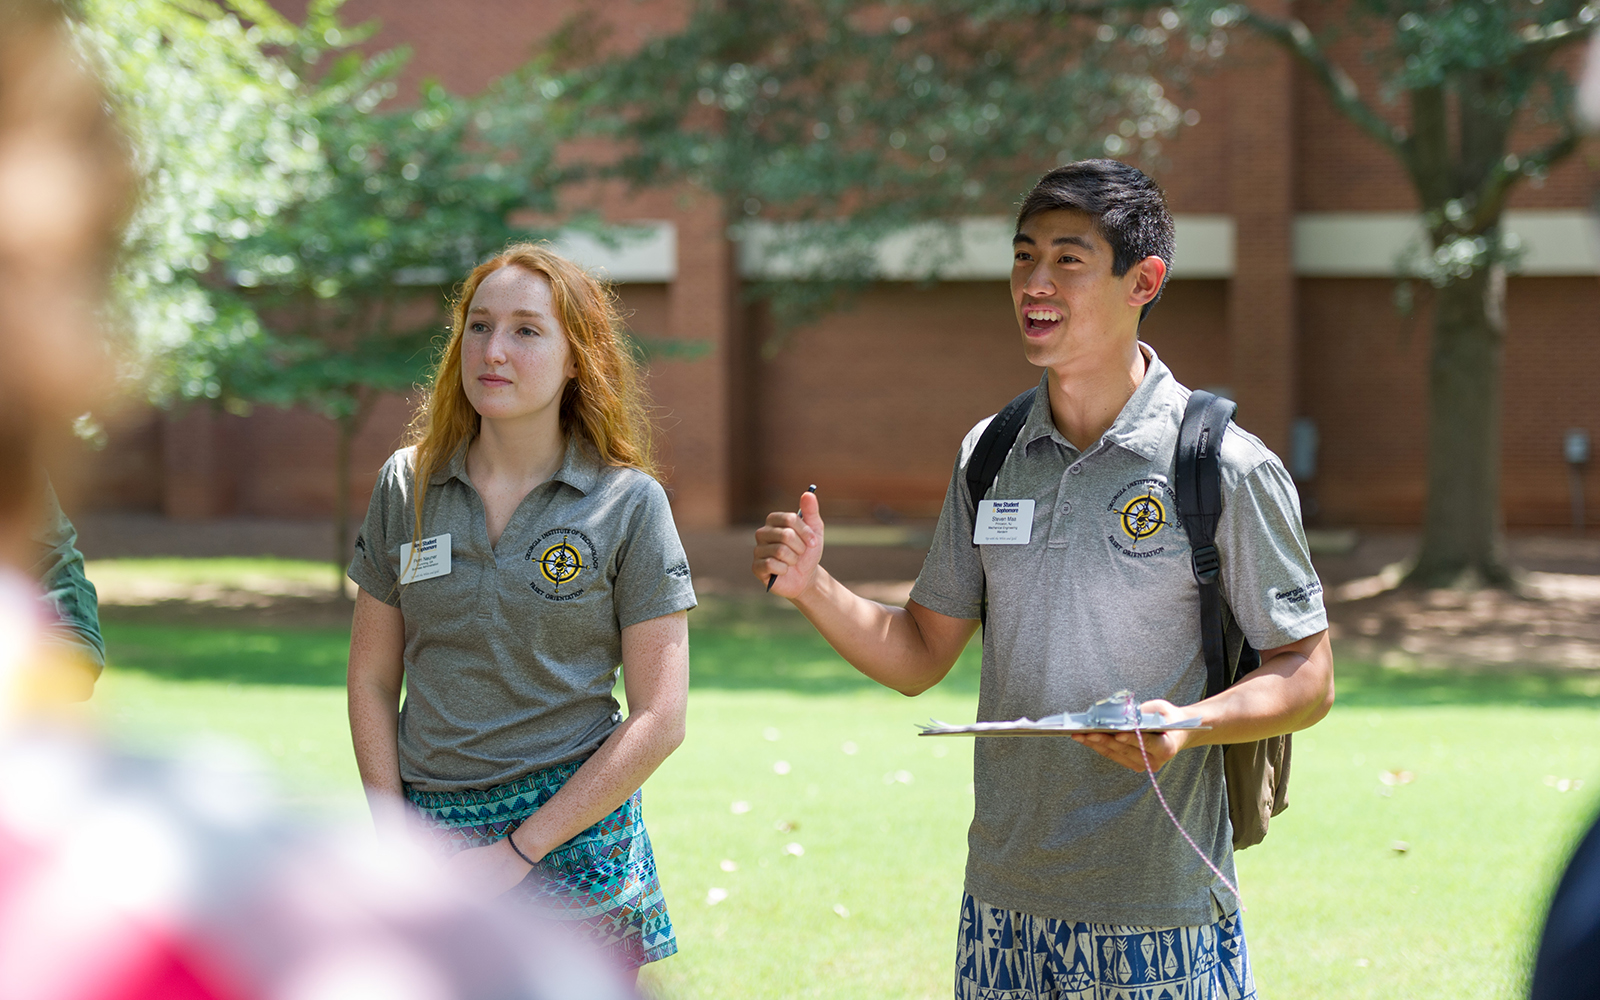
(1008, 955)
(602, 881)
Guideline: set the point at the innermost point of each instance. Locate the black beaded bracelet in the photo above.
(514, 847)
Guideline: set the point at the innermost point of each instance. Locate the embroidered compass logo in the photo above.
(1143, 517)
(562, 555)
(561, 563)
(1141, 509)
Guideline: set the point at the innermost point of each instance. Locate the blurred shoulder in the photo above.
(970, 442)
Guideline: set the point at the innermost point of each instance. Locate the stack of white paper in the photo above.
(1116, 714)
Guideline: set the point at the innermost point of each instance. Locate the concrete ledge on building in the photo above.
(1326, 245)
(1371, 244)
(971, 249)
(641, 250)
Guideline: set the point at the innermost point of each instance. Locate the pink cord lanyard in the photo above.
(1172, 816)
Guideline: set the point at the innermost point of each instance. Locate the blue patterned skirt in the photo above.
(603, 880)
(1008, 955)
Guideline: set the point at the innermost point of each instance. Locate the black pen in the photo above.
(774, 577)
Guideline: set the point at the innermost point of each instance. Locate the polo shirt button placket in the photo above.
(1076, 468)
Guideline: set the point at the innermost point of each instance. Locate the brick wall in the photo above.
(871, 402)
(1552, 383)
(1364, 380)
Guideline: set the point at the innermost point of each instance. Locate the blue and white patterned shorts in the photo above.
(1007, 955)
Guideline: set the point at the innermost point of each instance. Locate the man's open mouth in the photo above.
(1037, 318)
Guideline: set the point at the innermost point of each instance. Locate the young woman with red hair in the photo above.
(513, 556)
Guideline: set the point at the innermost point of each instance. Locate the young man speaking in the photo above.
(1078, 886)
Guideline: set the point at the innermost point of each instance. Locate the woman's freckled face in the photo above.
(515, 357)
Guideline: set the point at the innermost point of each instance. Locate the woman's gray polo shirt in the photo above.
(1101, 598)
(511, 657)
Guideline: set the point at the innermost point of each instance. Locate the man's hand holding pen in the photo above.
(789, 548)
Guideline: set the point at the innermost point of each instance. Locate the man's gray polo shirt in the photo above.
(1101, 599)
(511, 658)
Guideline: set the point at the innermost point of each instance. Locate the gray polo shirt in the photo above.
(1097, 600)
(511, 657)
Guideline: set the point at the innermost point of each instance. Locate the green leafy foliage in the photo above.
(412, 197)
(283, 180)
(299, 223)
(222, 142)
(1473, 99)
(1457, 84)
(843, 125)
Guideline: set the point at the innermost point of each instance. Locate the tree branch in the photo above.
(1497, 186)
(1293, 35)
(1542, 39)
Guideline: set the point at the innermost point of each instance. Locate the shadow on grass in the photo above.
(753, 643)
(742, 659)
(313, 657)
(751, 647)
(1368, 685)
(741, 648)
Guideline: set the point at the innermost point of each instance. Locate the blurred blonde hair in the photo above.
(605, 405)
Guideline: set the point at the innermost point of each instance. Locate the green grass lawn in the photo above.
(240, 573)
(866, 906)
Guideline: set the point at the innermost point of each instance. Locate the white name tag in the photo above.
(1003, 522)
(426, 559)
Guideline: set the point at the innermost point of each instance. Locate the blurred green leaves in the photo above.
(300, 218)
(352, 277)
(222, 142)
(863, 122)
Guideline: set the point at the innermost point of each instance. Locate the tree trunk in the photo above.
(1462, 540)
(347, 427)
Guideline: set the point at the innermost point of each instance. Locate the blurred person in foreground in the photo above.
(65, 189)
(512, 558)
(1078, 885)
(1565, 966)
(127, 879)
(70, 598)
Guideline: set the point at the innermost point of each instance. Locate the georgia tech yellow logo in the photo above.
(1143, 517)
(561, 563)
(564, 556)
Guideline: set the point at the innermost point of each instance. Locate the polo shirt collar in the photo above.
(580, 466)
(580, 469)
(456, 468)
(1141, 427)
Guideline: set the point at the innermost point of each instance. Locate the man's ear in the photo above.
(1147, 277)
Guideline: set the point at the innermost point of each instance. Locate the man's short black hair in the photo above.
(1128, 209)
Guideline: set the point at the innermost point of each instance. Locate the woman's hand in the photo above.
(489, 870)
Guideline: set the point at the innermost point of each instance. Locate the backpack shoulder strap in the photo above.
(994, 444)
(983, 465)
(1199, 489)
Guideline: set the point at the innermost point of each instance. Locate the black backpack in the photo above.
(1257, 773)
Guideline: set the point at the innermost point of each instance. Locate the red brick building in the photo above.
(1290, 221)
